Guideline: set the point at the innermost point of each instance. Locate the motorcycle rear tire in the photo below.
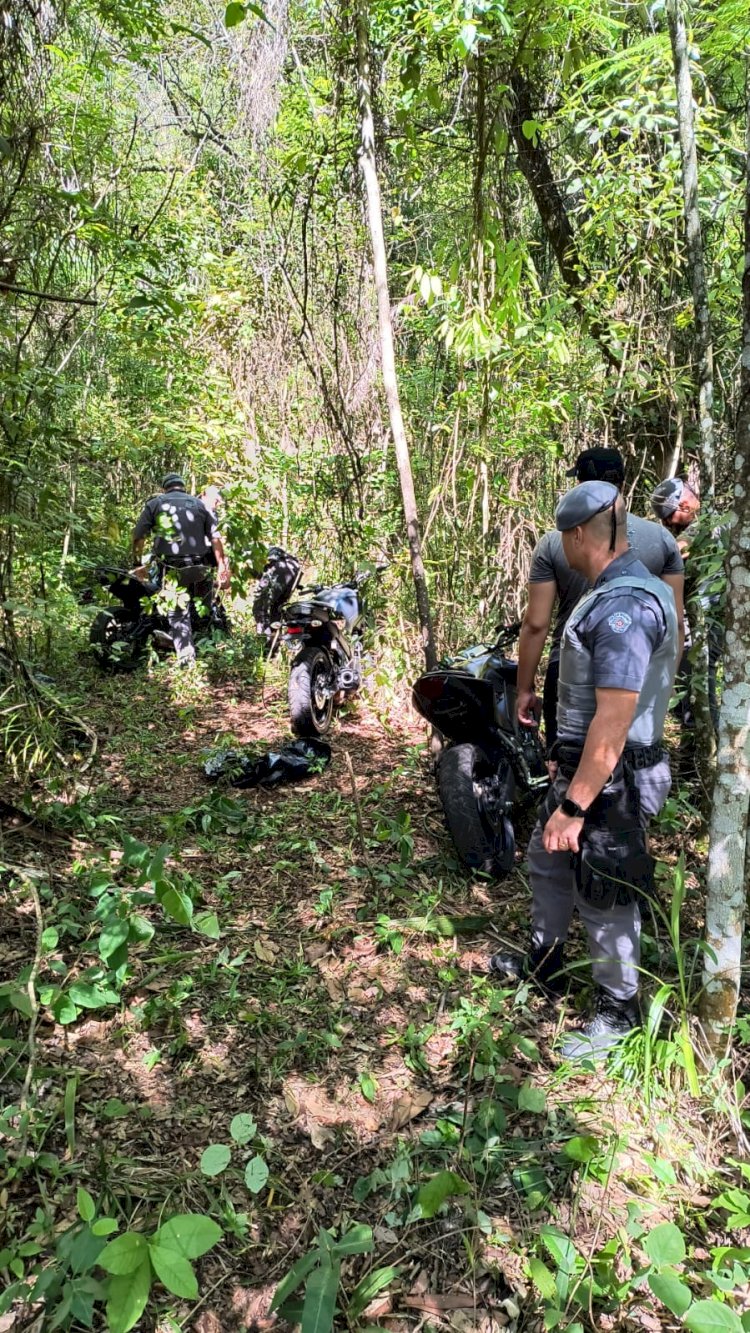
(483, 843)
(310, 714)
(115, 649)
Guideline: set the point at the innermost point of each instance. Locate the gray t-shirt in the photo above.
(654, 546)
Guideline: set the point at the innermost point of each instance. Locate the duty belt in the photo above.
(568, 754)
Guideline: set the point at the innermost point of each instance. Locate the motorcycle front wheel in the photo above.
(310, 694)
(111, 637)
(482, 833)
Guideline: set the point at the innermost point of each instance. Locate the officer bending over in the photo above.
(185, 533)
(588, 850)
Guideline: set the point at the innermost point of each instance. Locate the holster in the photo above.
(613, 865)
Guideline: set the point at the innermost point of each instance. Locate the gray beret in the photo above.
(173, 479)
(666, 498)
(583, 502)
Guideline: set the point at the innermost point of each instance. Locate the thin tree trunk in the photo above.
(375, 224)
(694, 244)
(729, 846)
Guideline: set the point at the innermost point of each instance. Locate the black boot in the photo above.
(612, 1021)
(543, 966)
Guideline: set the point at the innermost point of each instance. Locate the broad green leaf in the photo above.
(435, 1191)
(174, 1270)
(88, 996)
(368, 1288)
(64, 1009)
(49, 938)
(215, 1159)
(114, 933)
(357, 1240)
(711, 1317)
(561, 1248)
(134, 853)
(581, 1148)
(104, 1226)
(114, 1108)
(243, 1128)
(294, 1278)
(85, 1203)
(543, 1279)
(141, 931)
(190, 1234)
(177, 905)
(127, 1296)
(531, 1099)
(368, 1087)
(256, 1174)
(234, 14)
(671, 1291)
(320, 1298)
(207, 923)
(665, 1244)
(124, 1255)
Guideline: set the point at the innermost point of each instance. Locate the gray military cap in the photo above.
(583, 502)
(666, 498)
(173, 479)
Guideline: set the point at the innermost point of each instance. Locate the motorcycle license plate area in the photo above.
(458, 705)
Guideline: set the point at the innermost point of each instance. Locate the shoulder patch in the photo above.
(620, 621)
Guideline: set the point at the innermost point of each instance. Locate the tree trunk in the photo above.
(694, 245)
(375, 224)
(729, 846)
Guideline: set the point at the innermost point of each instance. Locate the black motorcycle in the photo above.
(491, 763)
(119, 635)
(323, 627)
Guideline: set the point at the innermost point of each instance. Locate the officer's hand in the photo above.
(552, 767)
(528, 708)
(224, 577)
(561, 833)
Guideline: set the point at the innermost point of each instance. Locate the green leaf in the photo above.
(234, 14)
(435, 1191)
(114, 1108)
(114, 933)
(368, 1288)
(665, 1244)
(581, 1148)
(127, 1296)
(207, 923)
(215, 1159)
(243, 1128)
(294, 1278)
(88, 996)
(358, 1240)
(104, 1226)
(177, 905)
(64, 1009)
(368, 1087)
(85, 1203)
(320, 1298)
(134, 853)
(49, 939)
(141, 931)
(256, 1174)
(543, 1279)
(671, 1291)
(711, 1317)
(531, 1099)
(190, 1234)
(174, 1270)
(124, 1255)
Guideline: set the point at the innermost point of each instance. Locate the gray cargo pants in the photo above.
(197, 582)
(614, 935)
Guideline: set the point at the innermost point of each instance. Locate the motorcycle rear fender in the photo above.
(460, 706)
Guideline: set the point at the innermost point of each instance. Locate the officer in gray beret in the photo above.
(589, 849)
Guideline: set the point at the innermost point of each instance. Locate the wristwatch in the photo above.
(572, 809)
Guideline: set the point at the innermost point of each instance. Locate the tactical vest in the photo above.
(577, 693)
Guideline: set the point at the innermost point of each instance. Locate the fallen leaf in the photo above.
(266, 949)
(291, 1102)
(319, 1135)
(408, 1108)
(384, 1236)
(433, 1302)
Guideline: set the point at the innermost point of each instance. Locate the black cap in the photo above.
(667, 496)
(598, 465)
(173, 479)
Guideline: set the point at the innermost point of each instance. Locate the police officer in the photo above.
(588, 850)
(552, 581)
(185, 533)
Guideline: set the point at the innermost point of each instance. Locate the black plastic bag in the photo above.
(292, 763)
